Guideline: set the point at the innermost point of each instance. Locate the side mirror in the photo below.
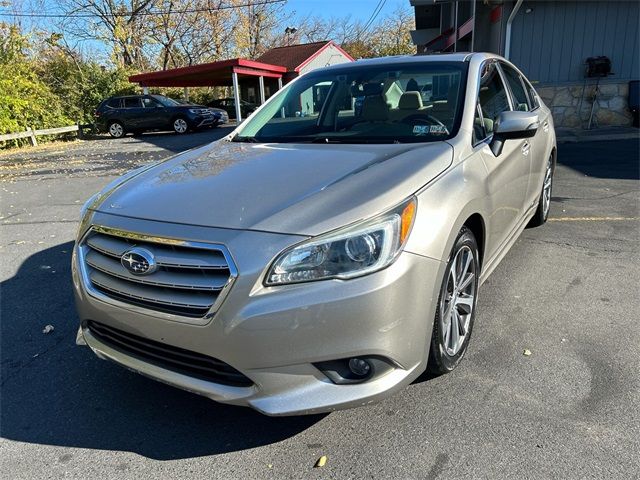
(513, 125)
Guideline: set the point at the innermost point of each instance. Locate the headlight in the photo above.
(349, 252)
(197, 111)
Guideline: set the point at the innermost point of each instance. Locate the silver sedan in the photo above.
(330, 249)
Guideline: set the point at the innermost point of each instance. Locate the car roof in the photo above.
(418, 58)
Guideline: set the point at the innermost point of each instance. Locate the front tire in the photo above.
(116, 130)
(180, 125)
(456, 308)
(544, 205)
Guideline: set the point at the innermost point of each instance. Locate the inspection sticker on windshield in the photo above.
(430, 129)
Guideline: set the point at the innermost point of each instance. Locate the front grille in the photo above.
(166, 356)
(188, 280)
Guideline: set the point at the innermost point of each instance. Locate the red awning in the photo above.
(207, 74)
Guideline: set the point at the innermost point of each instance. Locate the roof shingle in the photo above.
(292, 56)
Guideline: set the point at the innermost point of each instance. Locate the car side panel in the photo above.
(542, 145)
(447, 202)
(507, 180)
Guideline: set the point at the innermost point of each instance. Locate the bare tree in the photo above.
(121, 23)
(258, 27)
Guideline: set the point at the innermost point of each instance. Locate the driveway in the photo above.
(567, 292)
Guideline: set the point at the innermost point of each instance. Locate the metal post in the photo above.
(261, 82)
(236, 96)
(455, 28)
(473, 32)
(280, 88)
(507, 39)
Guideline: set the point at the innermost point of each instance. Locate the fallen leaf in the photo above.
(527, 352)
(321, 462)
(48, 329)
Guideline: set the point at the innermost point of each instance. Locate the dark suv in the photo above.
(228, 105)
(137, 113)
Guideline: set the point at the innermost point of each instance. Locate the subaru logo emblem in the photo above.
(138, 261)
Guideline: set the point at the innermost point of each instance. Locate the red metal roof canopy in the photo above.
(207, 74)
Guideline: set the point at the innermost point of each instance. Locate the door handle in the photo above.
(545, 126)
(525, 148)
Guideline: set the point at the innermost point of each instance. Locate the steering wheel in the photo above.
(423, 118)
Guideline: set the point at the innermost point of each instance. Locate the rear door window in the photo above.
(113, 103)
(514, 79)
(492, 96)
(533, 95)
(132, 102)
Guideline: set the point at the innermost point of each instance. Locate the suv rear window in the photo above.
(113, 103)
(132, 102)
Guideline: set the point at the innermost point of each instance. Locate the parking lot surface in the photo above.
(567, 292)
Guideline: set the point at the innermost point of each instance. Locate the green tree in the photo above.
(25, 100)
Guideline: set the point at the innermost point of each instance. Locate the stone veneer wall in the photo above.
(571, 108)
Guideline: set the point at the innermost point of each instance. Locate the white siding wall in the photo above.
(329, 56)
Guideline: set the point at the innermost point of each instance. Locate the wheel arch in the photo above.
(178, 115)
(476, 224)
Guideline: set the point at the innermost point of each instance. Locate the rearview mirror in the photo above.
(513, 125)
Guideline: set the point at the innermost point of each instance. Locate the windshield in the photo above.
(166, 101)
(371, 104)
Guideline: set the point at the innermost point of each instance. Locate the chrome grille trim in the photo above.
(189, 286)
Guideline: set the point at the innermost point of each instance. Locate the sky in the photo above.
(355, 9)
(358, 9)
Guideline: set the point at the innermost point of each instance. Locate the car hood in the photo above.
(302, 189)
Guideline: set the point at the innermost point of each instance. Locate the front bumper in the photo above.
(205, 120)
(275, 335)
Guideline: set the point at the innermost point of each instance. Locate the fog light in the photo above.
(353, 370)
(359, 367)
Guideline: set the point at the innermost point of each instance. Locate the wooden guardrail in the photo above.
(31, 134)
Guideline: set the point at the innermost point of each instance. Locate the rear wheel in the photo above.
(116, 130)
(180, 125)
(456, 305)
(544, 205)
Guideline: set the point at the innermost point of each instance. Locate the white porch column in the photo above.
(236, 96)
(185, 93)
(145, 90)
(261, 81)
(279, 83)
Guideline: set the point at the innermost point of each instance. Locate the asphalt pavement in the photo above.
(567, 292)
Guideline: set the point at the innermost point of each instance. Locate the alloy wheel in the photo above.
(546, 189)
(116, 130)
(458, 301)
(180, 125)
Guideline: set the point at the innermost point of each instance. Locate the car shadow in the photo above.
(603, 159)
(56, 393)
